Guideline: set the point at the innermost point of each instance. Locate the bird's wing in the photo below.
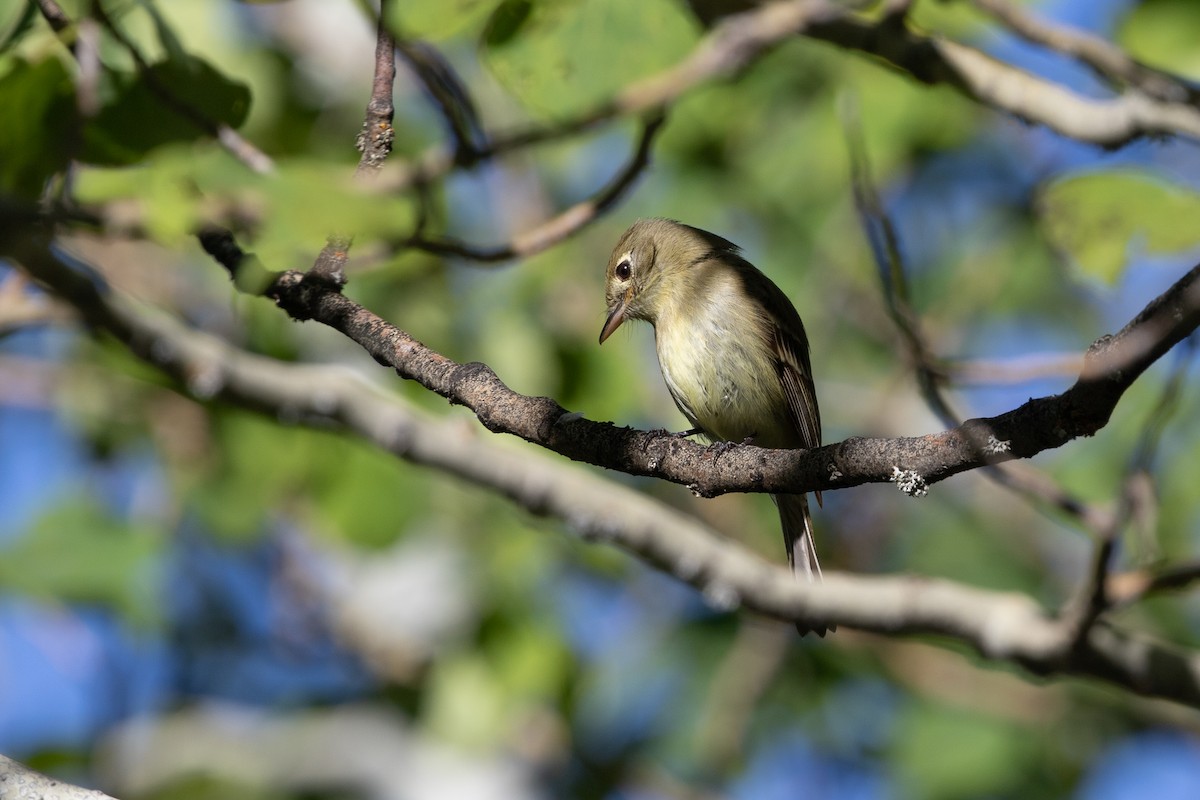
(795, 374)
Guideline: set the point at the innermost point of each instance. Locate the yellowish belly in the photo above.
(724, 379)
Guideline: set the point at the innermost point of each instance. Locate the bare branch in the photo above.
(58, 20)
(563, 225)
(884, 240)
(1104, 57)
(1000, 626)
(730, 46)
(1107, 122)
(19, 782)
(1111, 365)
(1126, 588)
(375, 140)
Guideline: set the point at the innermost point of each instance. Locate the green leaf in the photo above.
(79, 553)
(563, 56)
(36, 126)
(164, 189)
(299, 204)
(1101, 220)
(950, 754)
(305, 201)
(437, 19)
(1163, 34)
(506, 22)
(174, 101)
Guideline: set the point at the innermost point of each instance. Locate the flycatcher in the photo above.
(731, 347)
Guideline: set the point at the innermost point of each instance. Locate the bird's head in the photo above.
(645, 266)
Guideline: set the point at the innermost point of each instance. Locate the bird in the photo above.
(731, 348)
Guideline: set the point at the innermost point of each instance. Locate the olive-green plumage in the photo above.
(731, 347)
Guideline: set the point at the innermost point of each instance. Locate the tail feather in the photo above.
(796, 521)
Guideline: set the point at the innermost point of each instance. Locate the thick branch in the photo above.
(1108, 122)
(1104, 57)
(1110, 367)
(1000, 626)
(19, 782)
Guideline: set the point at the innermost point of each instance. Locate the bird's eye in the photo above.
(623, 271)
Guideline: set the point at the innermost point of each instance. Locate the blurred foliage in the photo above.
(1162, 34)
(588, 668)
(557, 57)
(1096, 219)
(81, 552)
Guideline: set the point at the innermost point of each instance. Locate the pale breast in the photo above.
(721, 372)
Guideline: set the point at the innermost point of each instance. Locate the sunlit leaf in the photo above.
(562, 56)
(1163, 33)
(437, 19)
(1101, 220)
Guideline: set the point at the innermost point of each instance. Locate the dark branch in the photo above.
(884, 240)
(449, 94)
(375, 140)
(53, 13)
(1111, 365)
(999, 625)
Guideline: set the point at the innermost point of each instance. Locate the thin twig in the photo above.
(561, 226)
(889, 264)
(375, 140)
(1127, 588)
(53, 13)
(449, 95)
(728, 48)
(1094, 598)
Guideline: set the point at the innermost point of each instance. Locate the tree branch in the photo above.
(19, 782)
(562, 226)
(999, 625)
(1108, 122)
(375, 140)
(1105, 58)
(1111, 365)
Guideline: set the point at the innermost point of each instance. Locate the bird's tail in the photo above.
(797, 525)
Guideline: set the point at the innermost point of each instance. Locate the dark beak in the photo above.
(616, 315)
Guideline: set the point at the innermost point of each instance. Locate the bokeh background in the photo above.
(203, 601)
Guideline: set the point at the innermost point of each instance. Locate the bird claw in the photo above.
(719, 449)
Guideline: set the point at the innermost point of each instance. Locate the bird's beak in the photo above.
(616, 315)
